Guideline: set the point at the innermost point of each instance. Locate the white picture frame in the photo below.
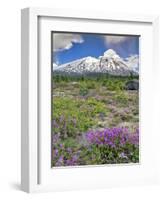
(36, 174)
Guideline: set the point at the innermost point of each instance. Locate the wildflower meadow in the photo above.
(95, 120)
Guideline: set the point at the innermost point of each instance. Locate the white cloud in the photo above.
(62, 41)
(114, 39)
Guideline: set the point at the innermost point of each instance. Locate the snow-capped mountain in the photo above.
(133, 62)
(110, 63)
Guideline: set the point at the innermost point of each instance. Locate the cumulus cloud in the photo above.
(65, 41)
(114, 39)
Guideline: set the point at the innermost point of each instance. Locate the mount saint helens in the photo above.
(110, 63)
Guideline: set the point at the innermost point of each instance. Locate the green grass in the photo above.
(78, 114)
(81, 99)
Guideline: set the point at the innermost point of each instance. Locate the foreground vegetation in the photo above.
(94, 121)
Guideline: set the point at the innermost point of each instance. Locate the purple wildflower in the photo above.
(69, 150)
(113, 136)
(55, 138)
(60, 161)
(56, 151)
(74, 158)
(61, 146)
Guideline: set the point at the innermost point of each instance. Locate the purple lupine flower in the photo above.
(69, 150)
(55, 138)
(61, 146)
(74, 158)
(55, 152)
(113, 136)
(69, 162)
(60, 161)
(72, 161)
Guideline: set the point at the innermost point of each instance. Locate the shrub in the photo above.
(90, 85)
(83, 91)
(121, 98)
(74, 116)
(115, 84)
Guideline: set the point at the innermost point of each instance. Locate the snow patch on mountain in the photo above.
(133, 62)
(55, 66)
(110, 53)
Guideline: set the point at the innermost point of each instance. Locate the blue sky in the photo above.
(68, 46)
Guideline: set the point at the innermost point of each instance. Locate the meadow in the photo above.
(95, 120)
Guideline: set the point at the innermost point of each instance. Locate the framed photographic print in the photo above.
(89, 82)
(95, 98)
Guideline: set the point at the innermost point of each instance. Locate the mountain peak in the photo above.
(91, 59)
(110, 53)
